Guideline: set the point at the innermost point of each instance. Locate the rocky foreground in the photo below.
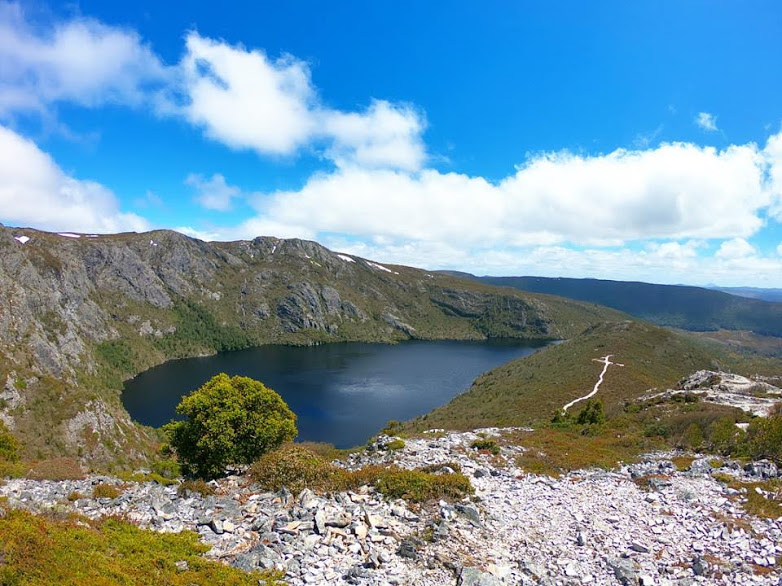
(589, 527)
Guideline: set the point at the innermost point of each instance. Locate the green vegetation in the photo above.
(396, 444)
(229, 421)
(530, 390)
(767, 503)
(105, 491)
(489, 445)
(56, 469)
(9, 447)
(554, 451)
(195, 486)
(296, 468)
(196, 329)
(40, 550)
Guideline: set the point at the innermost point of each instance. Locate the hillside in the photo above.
(774, 295)
(529, 391)
(690, 308)
(80, 314)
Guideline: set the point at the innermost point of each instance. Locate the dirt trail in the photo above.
(606, 360)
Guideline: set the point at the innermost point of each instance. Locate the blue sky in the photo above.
(611, 139)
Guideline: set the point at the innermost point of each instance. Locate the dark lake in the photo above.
(341, 393)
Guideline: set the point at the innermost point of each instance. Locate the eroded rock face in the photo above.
(757, 397)
(589, 527)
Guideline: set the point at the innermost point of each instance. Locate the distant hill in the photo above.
(689, 308)
(774, 295)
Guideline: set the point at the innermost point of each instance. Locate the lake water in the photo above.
(341, 393)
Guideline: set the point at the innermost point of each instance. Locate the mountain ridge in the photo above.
(81, 313)
(681, 306)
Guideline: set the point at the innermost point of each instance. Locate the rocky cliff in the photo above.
(81, 313)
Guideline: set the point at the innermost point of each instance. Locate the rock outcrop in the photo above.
(588, 527)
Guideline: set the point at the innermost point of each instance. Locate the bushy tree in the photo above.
(229, 421)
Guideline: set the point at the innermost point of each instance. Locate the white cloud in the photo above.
(34, 191)
(246, 100)
(779, 249)
(675, 191)
(240, 97)
(706, 121)
(80, 60)
(213, 193)
(736, 248)
(773, 153)
(385, 135)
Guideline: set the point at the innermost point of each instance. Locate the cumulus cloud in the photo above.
(213, 193)
(34, 191)
(384, 135)
(240, 97)
(706, 121)
(247, 100)
(80, 60)
(675, 191)
(736, 248)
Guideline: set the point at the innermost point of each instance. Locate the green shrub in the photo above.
(763, 439)
(105, 491)
(167, 468)
(591, 414)
(486, 444)
(724, 436)
(196, 486)
(229, 421)
(440, 468)
(296, 468)
(396, 444)
(9, 447)
(417, 486)
(56, 469)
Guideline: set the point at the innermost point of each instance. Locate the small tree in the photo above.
(229, 421)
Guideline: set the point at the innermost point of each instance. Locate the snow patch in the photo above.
(152, 243)
(68, 235)
(381, 268)
(346, 258)
(92, 235)
(22, 239)
(274, 247)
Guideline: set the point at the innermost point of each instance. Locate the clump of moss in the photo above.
(105, 491)
(396, 444)
(56, 469)
(195, 486)
(442, 468)
(682, 463)
(74, 496)
(489, 445)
